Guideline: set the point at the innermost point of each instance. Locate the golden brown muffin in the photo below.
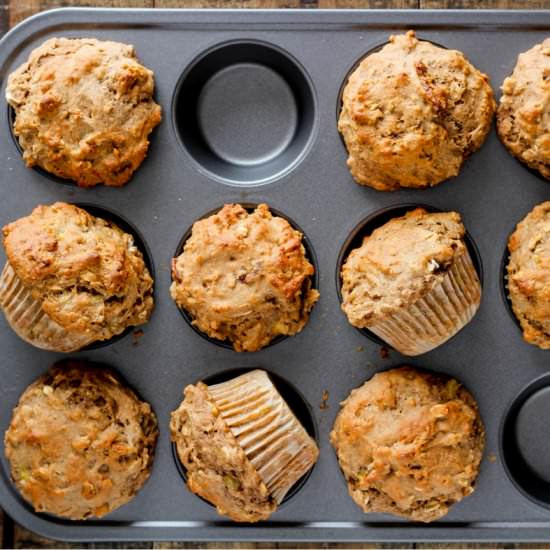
(529, 275)
(412, 282)
(244, 277)
(80, 444)
(241, 445)
(523, 118)
(72, 278)
(409, 443)
(84, 110)
(411, 113)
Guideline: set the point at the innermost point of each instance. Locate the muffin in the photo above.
(80, 443)
(411, 113)
(244, 277)
(241, 445)
(523, 117)
(409, 443)
(72, 279)
(84, 110)
(412, 281)
(529, 275)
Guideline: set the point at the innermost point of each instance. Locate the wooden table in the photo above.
(13, 11)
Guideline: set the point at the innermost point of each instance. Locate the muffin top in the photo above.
(411, 113)
(86, 272)
(216, 465)
(523, 118)
(399, 263)
(409, 443)
(529, 275)
(244, 277)
(84, 109)
(80, 443)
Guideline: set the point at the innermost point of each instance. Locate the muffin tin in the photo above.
(276, 141)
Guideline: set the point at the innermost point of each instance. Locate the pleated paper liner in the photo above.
(270, 435)
(26, 317)
(438, 315)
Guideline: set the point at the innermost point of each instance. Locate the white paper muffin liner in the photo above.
(438, 315)
(26, 317)
(270, 435)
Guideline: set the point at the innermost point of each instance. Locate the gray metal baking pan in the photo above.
(250, 103)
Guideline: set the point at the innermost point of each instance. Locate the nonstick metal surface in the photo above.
(276, 141)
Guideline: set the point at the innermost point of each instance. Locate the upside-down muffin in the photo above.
(523, 117)
(241, 445)
(529, 275)
(244, 277)
(412, 113)
(409, 443)
(72, 279)
(84, 109)
(412, 281)
(80, 443)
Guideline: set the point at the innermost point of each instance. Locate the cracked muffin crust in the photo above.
(523, 117)
(241, 445)
(72, 278)
(412, 113)
(529, 275)
(83, 110)
(409, 443)
(412, 281)
(244, 277)
(80, 443)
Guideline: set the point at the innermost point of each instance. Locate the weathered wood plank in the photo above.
(484, 4)
(269, 545)
(21, 9)
(379, 4)
(236, 4)
(22, 538)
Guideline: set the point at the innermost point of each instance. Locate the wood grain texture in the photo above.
(22, 538)
(484, 4)
(265, 4)
(13, 11)
(20, 9)
(370, 4)
(269, 545)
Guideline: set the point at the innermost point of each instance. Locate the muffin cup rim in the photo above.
(295, 162)
(507, 425)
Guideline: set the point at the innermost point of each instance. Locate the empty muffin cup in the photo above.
(245, 112)
(524, 443)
